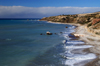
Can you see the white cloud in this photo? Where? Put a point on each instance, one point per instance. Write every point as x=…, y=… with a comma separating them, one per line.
x=35, y=12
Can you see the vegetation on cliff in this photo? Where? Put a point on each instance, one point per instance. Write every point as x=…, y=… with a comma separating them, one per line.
x=92, y=20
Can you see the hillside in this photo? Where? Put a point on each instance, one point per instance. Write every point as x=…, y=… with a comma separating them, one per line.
x=91, y=20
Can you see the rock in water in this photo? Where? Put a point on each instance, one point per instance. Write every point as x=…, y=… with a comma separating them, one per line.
x=48, y=33
x=41, y=34
x=66, y=27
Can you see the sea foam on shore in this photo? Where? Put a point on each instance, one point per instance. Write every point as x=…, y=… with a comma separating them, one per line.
x=90, y=39
x=77, y=59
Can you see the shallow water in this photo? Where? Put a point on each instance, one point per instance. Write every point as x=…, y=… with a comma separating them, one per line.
x=22, y=45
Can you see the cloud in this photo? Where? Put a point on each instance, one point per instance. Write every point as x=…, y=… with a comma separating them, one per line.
x=39, y=12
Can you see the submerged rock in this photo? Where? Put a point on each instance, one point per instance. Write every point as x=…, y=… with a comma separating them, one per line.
x=61, y=32
x=55, y=33
x=66, y=27
x=41, y=34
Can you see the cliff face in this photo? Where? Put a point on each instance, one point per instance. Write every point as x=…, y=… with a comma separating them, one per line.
x=92, y=20
x=61, y=18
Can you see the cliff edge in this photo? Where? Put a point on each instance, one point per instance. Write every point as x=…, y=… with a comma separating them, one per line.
x=91, y=20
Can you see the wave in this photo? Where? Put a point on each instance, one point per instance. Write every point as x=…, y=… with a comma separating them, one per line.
x=73, y=42
x=78, y=47
x=79, y=58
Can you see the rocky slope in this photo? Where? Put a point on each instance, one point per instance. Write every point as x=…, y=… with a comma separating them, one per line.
x=91, y=20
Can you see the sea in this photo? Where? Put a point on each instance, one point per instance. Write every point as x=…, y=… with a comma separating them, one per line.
x=24, y=42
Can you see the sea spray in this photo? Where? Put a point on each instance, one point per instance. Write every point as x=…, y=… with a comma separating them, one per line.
x=75, y=58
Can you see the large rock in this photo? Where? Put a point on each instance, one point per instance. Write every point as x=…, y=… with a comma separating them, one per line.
x=48, y=33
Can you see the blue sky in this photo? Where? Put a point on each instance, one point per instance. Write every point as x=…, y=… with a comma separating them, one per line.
x=51, y=3
x=45, y=8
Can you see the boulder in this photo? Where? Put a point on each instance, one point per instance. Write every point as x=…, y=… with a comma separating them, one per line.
x=48, y=33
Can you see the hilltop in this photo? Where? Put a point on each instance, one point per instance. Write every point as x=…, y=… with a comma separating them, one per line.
x=91, y=20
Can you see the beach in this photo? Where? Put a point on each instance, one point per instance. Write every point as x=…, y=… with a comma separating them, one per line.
x=90, y=39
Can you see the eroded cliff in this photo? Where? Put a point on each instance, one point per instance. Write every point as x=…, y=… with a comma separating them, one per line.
x=91, y=20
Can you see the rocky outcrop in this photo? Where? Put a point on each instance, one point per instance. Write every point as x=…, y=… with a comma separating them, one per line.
x=94, y=26
x=92, y=20
x=61, y=18
x=48, y=33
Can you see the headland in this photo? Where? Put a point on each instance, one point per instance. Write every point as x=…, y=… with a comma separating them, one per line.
x=88, y=25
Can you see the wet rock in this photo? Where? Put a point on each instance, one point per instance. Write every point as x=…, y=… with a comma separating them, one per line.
x=66, y=27
x=61, y=32
x=77, y=36
x=55, y=33
x=48, y=33
x=73, y=35
x=41, y=34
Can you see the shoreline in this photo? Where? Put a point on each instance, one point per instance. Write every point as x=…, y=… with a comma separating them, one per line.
x=90, y=39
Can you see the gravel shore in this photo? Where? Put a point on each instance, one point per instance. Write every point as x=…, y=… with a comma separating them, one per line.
x=90, y=39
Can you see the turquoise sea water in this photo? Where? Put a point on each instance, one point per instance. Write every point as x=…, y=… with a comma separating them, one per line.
x=22, y=45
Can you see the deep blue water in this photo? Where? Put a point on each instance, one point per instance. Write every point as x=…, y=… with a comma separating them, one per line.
x=22, y=45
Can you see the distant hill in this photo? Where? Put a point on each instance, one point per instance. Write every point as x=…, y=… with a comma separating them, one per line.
x=91, y=20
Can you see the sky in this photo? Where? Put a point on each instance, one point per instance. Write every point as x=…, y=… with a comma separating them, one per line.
x=46, y=8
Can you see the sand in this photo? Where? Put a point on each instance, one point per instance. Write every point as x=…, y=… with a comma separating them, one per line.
x=90, y=39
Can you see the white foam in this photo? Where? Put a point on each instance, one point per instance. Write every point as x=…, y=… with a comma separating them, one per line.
x=71, y=30
x=79, y=58
x=73, y=42
x=78, y=47
x=72, y=27
x=66, y=36
x=63, y=41
x=68, y=53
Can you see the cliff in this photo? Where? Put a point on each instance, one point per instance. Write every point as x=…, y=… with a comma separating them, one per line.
x=91, y=20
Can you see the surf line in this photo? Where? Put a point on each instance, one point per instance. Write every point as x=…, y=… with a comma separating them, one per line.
x=73, y=55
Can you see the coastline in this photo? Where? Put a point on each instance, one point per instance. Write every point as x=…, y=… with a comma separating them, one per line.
x=90, y=39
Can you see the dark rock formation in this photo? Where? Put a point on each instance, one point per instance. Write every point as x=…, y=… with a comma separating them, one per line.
x=48, y=33
x=61, y=32
x=66, y=27
x=41, y=34
x=55, y=33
